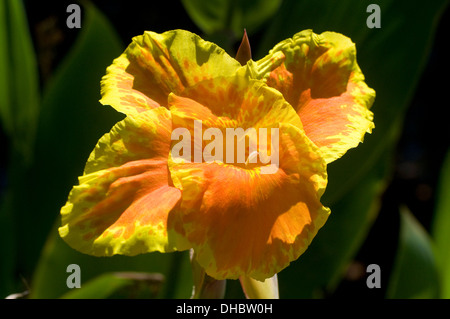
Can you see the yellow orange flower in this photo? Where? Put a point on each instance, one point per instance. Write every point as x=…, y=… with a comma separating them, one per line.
x=139, y=194
x=319, y=76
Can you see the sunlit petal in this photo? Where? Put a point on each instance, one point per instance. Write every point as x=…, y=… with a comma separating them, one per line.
x=242, y=222
x=154, y=65
x=320, y=78
x=124, y=202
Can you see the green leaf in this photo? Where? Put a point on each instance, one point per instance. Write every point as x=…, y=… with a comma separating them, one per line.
x=441, y=225
x=230, y=15
x=19, y=79
x=19, y=107
x=51, y=274
x=415, y=273
x=119, y=285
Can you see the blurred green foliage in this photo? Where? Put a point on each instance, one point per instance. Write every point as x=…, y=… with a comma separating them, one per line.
x=441, y=225
x=52, y=130
x=415, y=273
x=19, y=79
x=19, y=109
x=223, y=20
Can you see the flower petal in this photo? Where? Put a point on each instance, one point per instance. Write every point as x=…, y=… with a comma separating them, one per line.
x=124, y=201
x=236, y=101
x=155, y=65
x=241, y=222
x=245, y=108
x=320, y=78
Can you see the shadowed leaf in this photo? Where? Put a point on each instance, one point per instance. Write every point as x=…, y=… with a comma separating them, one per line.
x=415, y=273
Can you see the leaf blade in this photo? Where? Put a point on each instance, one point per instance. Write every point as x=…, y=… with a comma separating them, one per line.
x=415, y=274
x=441, y=225
x=218, y=16
x=19, y=80
x=118, y=284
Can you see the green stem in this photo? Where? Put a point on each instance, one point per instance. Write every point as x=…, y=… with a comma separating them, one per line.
x=173, y=275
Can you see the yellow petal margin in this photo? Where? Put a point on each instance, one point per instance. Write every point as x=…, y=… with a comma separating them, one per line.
x=155, y=65
x=124, y=203
x=319, y=76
